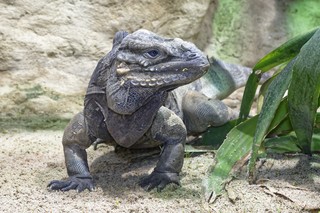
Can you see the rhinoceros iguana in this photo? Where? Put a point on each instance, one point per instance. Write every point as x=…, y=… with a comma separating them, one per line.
x=136, y=99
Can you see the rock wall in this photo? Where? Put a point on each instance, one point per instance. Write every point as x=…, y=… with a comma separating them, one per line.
x=48, y=49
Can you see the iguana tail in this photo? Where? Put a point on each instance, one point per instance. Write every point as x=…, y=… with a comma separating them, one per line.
x=223, y=78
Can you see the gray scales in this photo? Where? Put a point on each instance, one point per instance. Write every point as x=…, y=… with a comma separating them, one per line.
x=148, y=91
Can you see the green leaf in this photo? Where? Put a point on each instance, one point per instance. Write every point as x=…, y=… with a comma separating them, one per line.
x=289, y=143
x=248, y=96
x=214, y=136
x=283, y=53
x=283, y=128
x=304, y=91
x=270, y=106
x=263, y=91
x=196, y=149
x=265, y=85
x=283, y=144
x=280, y=55
x=315, y=146
x=236, y=145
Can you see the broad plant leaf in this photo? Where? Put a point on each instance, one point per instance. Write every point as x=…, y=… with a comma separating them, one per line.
x=315, y=146
x=248, y=96
x=263, y=90
x=284, y=53
x=236, y=145
x=211, y=140
x=283, y=144
x=283, y=128
x=265, y=85
x=273, y=97
x=289, y=143
x=280, y=55
x=215, y=136
x=303, y=94
x=249, y=134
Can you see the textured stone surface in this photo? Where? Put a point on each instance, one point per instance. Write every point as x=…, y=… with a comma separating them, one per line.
x=52, y=47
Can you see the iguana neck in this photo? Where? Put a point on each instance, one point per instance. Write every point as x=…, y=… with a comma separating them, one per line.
x=124, y=98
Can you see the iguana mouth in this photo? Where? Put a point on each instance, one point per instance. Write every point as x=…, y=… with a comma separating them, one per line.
x=122, y=69
x=160, y=75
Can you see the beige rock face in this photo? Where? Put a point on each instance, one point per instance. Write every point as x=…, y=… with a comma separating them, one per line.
x=48, y=49
x=52, y=47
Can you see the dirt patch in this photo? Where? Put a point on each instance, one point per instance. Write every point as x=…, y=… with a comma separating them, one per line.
x=30, y=159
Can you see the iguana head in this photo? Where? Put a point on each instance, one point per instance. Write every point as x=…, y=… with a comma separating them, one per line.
x=147, y=60
x=142, y=65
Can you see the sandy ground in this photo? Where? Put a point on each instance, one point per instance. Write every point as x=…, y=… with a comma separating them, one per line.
x=30, y=159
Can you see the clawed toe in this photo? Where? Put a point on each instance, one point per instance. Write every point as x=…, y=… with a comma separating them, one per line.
x=159, y=180
x=72, y=183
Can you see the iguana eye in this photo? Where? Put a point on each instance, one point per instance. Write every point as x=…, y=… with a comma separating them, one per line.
x=152, y=54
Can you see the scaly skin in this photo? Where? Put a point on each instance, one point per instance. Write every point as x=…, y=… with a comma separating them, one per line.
x=141, y=95
x=124, y=104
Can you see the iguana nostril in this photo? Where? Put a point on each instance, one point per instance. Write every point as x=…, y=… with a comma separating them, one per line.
x=192, y=55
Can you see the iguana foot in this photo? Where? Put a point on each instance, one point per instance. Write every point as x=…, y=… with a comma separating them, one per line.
x=74, y=182
x=159, y=180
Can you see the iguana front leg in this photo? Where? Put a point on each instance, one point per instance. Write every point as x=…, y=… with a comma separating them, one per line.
x=75, y=141
x=168, y=129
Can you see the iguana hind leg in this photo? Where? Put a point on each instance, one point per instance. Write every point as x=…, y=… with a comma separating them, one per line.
x=75, y=141
x=168, y=129
x=200, y=112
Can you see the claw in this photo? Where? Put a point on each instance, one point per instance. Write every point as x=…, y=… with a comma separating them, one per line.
x=76, y=183
x=159, y=180
x=72, y=185
x=97, y=142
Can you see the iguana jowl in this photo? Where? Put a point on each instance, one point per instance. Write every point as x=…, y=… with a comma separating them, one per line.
x=132, y=100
